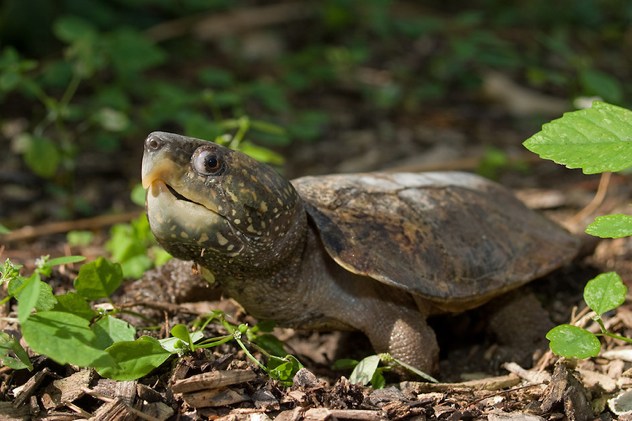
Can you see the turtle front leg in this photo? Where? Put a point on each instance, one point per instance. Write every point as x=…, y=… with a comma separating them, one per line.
x=404, y=334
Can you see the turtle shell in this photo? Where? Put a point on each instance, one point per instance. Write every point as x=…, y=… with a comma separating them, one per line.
x=451, y=237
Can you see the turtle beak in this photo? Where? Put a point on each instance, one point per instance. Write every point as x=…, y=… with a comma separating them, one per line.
x=157, y=165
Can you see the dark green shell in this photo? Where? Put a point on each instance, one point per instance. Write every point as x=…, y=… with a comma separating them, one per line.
x=449, y=237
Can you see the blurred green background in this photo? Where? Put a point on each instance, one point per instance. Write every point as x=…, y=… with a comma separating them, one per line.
x=83, y=82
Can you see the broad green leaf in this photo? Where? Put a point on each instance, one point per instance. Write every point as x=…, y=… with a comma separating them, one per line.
x=71, y=302
x=605, y=292
x=42, y=156
x=364, y=371
x=9, y=345
x=65, y=338
x=135, y=358
x=98, y=279
x=4, y=230
x=611, y=226
x=110, y=330
x=598, y=139
x=573, y=342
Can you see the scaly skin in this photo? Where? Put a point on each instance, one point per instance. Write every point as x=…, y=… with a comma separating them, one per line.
x=291, y=259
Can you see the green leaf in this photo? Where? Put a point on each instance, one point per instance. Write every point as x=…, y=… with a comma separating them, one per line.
x=98, y=279
x=65, y=260
x=573, y=342
x=611, y=226
x=271, y=343
x=65, y=338
x=378, y=381
x=344, y=364
x=597, y=139
x=602, y=84
x=605, y=292
x=79, y=238
x=283, y=369
x=181, y=332
x=71, y=28
x=135, y=266
x=111, y=120
x=173, y=345
x=135, y=359
x=27, y=296
x=110, y=330
x=132, y=53
x=364, y=371
x=260, y=153
x=138, y=195
x=4, y=230
x=71, y=302
x=8, y=346
x=42, y=156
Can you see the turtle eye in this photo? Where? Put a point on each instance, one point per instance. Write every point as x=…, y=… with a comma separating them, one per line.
x=207, y=162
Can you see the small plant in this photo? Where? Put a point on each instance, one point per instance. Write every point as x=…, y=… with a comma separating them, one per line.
x=368, y=370
x=71, y=329
x=596, y=140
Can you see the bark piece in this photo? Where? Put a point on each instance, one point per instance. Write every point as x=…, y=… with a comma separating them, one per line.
x=214, y=398
x=213, y=380
x=566, y=390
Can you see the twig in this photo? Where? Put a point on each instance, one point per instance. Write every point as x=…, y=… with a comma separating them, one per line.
x=30, y=232
x=597, y=200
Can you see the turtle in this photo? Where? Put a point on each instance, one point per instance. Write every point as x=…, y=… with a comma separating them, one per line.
x=377, y=252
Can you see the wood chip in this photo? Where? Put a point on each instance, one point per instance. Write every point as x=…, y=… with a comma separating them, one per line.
x=114, y=410
x=72, y=387
x=490, y=383
x=214, y=398
x=158, y=410
x=213, y=380
x=565, y=389
x=10, y=413
x=264, y=399
x=514, y=416
x=624, y=354
x=27, y=389
x=592, y=379
x=531, y=376
x=319, y=414
x=147, y=393
x=126, y=392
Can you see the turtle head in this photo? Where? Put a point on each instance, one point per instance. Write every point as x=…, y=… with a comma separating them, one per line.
x=218, y=207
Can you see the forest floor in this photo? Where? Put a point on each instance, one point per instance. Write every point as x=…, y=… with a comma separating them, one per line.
x=477, y=379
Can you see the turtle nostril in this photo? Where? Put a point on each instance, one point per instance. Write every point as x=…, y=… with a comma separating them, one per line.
x=153, y=143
